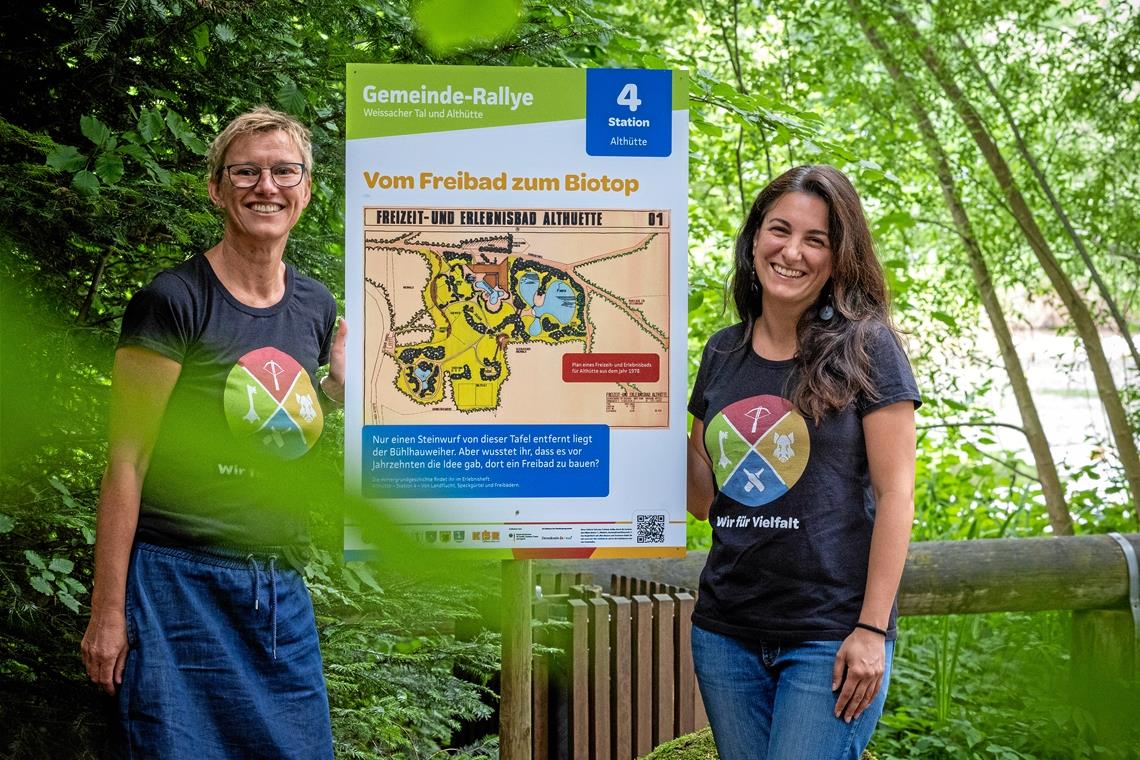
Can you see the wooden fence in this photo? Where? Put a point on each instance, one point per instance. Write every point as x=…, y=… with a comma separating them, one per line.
x=624, y=680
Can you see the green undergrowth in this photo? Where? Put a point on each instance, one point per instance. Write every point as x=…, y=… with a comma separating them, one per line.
x=699, y=746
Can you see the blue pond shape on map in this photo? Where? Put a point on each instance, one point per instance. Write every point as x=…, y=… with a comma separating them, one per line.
x=559, y=302
x=494, y=295
x=422, y=375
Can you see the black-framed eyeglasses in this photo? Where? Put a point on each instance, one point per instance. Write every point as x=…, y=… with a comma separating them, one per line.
x=248, y=175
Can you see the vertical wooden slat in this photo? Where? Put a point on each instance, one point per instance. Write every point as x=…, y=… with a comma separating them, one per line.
x=599, y=678
x=641, y=703
x=560, y=683
x=663, y=675
x=579, y=687
x=540, y=690
x=685, y=698
x=621, y=679
x=549, y=583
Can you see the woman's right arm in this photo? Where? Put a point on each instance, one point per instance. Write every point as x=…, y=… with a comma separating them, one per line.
x=699, y=473
x=141, y=384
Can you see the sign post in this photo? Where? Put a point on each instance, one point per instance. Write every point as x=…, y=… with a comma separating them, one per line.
x=515, y=724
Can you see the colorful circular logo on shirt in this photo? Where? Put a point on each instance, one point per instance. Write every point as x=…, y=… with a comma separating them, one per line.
x=270, y=398
x=759, y=448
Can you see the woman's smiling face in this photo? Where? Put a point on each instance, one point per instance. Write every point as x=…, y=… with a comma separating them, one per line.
x=792, y=252
x=264, y=212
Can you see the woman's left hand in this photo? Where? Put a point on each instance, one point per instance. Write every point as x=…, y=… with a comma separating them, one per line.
x=859, y=667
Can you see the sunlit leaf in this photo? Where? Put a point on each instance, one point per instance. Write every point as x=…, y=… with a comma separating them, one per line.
x=68, y=600
x=350, y=579
x=224, y=33
x=365, y=575
x=39, y=584
x=944, y=318
x=706, y=128
x=291, y=99
x=109, y=167
x=94, y=130
x=446, y=25
x=201, y=36
x=6, y=524
x=61, y=565
x=150, y=124
x=85, y=183
x=35, y=560
x=136, y=152
x=66, y=158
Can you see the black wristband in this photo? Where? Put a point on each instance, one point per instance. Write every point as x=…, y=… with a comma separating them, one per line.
x=871, y=628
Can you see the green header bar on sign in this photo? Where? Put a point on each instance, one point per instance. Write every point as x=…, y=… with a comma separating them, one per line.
x=388, y=100
x=407, y=99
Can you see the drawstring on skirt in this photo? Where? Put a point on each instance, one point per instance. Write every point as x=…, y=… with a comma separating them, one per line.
x=256, y=579
x=272, y=591
x=273, y=599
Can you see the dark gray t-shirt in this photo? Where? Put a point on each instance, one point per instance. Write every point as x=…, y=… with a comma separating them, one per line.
x=246, y=397
x=793, y=510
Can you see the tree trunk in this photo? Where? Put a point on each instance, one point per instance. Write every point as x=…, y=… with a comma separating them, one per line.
x=1051, y=487
x=1082, y=319
x=1058, y=209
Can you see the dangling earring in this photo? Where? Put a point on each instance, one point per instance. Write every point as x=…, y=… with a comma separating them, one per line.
x=828, y=311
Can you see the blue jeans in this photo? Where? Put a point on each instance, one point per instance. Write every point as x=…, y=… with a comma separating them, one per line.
x=774, y=702
x=223, y=660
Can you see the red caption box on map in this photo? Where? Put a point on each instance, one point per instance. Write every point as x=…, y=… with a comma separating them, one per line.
x=611, y=368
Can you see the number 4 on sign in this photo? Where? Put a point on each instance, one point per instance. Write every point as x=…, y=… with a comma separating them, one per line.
x=628, y=97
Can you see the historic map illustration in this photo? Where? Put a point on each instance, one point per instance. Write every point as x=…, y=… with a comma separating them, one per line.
x=498, y=315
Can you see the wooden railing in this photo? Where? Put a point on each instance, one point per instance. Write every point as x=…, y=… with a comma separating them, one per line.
x=626, y=684
x=624, y=680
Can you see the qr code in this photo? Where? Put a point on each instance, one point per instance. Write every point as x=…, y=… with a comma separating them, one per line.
x=650, y=529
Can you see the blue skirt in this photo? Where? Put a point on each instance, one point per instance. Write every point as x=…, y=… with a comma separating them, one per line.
x=223, y=661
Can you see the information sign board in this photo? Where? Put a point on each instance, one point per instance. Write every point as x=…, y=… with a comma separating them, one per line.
x=516, y=295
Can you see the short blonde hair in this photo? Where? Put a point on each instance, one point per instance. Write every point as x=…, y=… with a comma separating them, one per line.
x=260, y=119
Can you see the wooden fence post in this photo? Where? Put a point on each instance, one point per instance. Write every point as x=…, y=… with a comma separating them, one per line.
x=685, y=699
x=663, y=677
x=579, y=707
x=621, y=682
x=599, y=678
x=540, y=690
x=515, y=702
x=641, y=623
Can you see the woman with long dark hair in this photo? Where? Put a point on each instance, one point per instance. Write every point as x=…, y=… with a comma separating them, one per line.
x=802, y=457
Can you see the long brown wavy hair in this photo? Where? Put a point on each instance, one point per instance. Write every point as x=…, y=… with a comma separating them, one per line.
x=831, y=356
